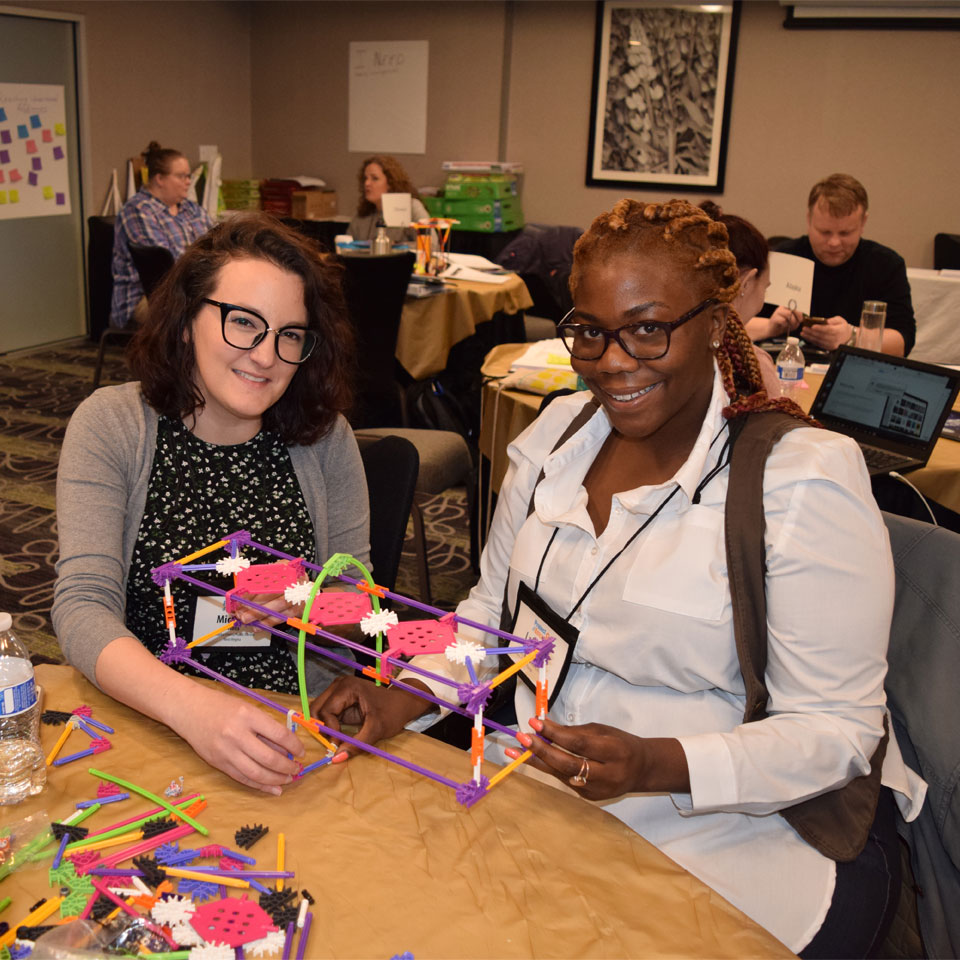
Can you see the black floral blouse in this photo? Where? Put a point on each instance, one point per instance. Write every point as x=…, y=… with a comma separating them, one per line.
x=198, y=492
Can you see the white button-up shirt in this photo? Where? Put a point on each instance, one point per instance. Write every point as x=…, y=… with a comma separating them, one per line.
x=656, y=654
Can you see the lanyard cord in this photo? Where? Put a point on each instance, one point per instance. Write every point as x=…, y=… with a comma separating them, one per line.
x=721, y=463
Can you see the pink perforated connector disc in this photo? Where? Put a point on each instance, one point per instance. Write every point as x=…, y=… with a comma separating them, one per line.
x=232, y=921
x=413, y=637
x=330, y=608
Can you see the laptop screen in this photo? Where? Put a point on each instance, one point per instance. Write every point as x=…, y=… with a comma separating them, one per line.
x=886, y=397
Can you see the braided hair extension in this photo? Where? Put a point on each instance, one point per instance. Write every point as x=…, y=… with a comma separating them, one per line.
x=688, y=237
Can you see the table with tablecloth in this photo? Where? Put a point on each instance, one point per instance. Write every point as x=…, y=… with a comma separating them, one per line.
x=396, y=864
x=507, y=412
x=430, y=326
x=936, y=305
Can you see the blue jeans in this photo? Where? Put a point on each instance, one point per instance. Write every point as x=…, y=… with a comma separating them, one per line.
x=866, y=894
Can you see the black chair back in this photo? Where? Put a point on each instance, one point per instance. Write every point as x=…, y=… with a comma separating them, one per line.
x=375, y=288
x=99, y=272
x=391, y=465
x=152, y=264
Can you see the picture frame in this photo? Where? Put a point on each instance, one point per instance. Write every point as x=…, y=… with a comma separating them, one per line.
x=662, y=92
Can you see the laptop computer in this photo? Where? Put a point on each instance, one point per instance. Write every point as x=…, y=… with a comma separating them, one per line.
x=893, y=407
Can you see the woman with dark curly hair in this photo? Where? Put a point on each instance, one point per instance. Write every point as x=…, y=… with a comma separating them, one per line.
x=378, y=175
x=235, y=422
x=760, y=774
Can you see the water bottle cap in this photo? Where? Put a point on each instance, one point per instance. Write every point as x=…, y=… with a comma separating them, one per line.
x=793, y=340
x=6, y=622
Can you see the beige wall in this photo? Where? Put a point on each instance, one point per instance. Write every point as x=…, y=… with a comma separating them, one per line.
x=178, y=73
x=301, y=94
x=881, y=105
x=267, y=82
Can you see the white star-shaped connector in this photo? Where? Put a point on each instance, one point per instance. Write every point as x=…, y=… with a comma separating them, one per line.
x=173, y=910
x=185, y=935
x=298, y=592
x=231, y=565
x=266, y=946
x=459, y=650
x=213, y=951
x=374, y=623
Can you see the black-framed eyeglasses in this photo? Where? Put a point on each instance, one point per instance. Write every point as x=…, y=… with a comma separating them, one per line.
x=643, y=340
x=244, y=328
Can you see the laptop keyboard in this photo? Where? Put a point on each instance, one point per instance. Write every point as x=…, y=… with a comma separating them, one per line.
x=878, y=459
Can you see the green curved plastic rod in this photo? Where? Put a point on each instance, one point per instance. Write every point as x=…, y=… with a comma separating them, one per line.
x=333, y=567
x=199, y=827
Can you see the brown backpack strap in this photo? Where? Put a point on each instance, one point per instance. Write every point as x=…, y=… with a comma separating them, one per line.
x=837, y=822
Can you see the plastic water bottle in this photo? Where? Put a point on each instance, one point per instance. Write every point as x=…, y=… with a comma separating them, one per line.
x=790, y=364
x=23, y=770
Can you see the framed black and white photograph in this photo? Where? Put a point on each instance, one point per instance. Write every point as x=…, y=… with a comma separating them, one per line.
x=662, y=88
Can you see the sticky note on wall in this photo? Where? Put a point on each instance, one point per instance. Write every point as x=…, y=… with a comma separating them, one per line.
x=36, y=163
x=59, y=130
x=32, y=179
x=5, y=136
x=4, y=156
x=31, y=146
x=48, y=193
x=14, y=196
x=3, y=115
x=35, y=120
x=15, y=175
x=61, y=199
x=58, y=153
x=47, y=136
x=22, y=132
x=3, y=196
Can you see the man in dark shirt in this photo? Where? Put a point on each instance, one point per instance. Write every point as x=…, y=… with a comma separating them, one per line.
x=848, y=269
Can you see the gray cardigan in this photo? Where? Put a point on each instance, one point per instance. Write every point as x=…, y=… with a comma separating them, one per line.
x=102, y=485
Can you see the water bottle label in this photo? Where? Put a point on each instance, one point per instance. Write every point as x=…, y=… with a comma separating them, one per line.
x=17, y=698
x=789, y=373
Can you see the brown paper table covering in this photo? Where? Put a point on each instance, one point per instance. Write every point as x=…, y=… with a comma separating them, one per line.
x=506, y=415
x=396, y=864
x=430, y=326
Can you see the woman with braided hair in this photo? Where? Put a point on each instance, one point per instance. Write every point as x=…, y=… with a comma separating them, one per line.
x=610, y=535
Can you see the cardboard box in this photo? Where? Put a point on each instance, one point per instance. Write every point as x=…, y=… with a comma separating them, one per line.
x=490, y=224
x=313, y=204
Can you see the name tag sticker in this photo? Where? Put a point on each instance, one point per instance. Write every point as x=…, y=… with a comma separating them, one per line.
x=211, y=614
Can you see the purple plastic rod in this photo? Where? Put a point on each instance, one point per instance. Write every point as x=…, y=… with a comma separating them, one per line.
x=259, y=887
x=369, y=748
x=288, y=942
x=242, y=857
x=304, y=933
x=313, y=766
x=96, y=723
x=199, y=566
x=64, y=840
x=113, y=798
x=239, y=687
x=213, y=871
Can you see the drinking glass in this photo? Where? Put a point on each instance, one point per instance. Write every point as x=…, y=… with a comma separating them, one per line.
x=872, y=319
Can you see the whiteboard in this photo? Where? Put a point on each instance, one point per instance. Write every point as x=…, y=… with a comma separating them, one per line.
x=388, y=96
x=34, y=169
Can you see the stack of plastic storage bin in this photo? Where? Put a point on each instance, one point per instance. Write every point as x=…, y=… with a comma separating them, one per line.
x=483, y=202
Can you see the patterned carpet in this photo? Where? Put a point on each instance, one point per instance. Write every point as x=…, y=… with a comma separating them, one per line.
x=38, y=392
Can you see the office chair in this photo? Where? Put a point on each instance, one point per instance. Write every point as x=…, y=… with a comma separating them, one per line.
x=375, y=288
x=152, y=264
x=444, y=461
x=391, y=465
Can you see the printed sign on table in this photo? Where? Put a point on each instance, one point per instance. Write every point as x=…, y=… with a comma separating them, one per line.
x=34, y=170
